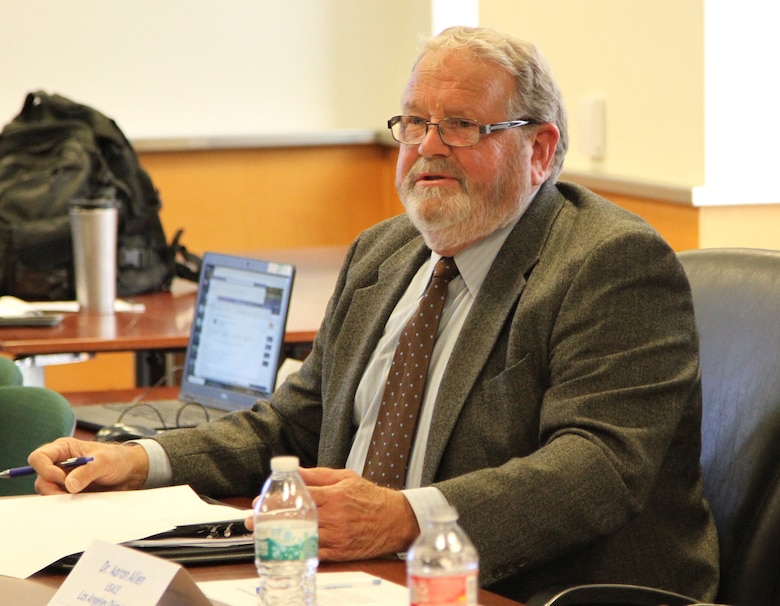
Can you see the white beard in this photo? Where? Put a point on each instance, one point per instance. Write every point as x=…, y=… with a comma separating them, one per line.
x=442, y=218
x=451, y=220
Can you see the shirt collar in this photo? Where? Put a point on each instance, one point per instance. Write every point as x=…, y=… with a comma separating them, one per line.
x=475, y=261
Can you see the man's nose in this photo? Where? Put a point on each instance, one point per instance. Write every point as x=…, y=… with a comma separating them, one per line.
x=433, y=144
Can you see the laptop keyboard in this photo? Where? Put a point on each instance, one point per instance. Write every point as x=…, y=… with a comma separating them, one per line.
x=163, y=413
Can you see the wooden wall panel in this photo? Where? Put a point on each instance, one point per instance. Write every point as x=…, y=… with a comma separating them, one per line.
x=244, y=199
x=677, y=223
x=104, y=371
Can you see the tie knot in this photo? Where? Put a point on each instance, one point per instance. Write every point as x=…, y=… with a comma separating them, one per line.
x=445, y=269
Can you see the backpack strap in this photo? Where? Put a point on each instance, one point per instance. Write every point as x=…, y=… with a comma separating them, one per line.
x=188, y=264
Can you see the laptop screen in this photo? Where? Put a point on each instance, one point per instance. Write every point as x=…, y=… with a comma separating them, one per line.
x=237, y=332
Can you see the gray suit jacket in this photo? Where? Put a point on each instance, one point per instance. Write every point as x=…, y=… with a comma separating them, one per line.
x=567, y=426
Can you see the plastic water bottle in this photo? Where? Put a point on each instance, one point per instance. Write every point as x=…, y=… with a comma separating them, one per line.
x=286, y=538
x=442, y=565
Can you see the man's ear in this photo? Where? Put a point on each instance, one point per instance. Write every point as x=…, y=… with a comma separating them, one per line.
x=544, y=141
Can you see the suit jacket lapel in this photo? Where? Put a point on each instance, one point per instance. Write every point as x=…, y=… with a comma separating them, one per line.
x=363, y=325
x=496, y=300
x=371, y=306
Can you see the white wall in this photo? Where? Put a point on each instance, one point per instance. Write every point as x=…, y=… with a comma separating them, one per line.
x=447, y=13
x=742, y=103
x=189, y=68
x=645, y=57
x=689, y=91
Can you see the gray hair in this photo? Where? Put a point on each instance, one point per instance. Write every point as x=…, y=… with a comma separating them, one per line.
x=537, y=97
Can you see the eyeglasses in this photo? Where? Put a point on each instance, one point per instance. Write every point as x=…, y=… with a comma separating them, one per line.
x=455, y=132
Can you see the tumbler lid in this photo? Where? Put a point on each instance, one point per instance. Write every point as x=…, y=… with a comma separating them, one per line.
x=92, y=203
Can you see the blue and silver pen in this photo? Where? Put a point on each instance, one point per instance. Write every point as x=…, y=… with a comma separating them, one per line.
x=349, y=583
x=18, y=472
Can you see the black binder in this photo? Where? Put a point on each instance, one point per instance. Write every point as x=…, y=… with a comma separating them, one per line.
x=190, y=545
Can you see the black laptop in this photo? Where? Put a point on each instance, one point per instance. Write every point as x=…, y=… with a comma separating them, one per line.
x=234, y=350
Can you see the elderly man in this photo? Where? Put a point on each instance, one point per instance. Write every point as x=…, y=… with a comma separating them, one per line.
x=559, y=407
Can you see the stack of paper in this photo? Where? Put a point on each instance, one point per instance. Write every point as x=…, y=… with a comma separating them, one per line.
x=48, y=528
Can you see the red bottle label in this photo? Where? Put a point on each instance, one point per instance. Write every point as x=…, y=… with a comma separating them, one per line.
x=458, y=590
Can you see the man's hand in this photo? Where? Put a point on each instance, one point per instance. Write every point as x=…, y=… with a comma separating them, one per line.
x=357, y=519
x=115, y=466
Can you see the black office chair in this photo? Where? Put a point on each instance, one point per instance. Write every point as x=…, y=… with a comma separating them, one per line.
x=615, y=595
x=736, y=295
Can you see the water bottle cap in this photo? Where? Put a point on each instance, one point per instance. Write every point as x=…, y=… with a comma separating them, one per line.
x=284, y=464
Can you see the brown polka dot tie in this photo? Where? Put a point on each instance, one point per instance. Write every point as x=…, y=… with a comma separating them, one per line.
x=391, y=442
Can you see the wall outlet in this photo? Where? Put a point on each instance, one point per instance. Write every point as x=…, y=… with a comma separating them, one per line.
x=593, y=126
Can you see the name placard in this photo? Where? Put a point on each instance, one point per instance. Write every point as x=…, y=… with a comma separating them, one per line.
x=113, y=575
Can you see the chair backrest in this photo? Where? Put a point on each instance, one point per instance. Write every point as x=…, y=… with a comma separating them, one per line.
x=29, y=417
x=736, y=295
x=611, y=595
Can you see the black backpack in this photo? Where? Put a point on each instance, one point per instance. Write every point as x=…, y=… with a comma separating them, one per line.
x=57, y=150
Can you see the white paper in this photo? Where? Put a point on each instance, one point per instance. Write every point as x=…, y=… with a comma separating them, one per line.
x=12, y=307
x=44, y=529
x=288, y=366
x=204, y=542
x=346, y=589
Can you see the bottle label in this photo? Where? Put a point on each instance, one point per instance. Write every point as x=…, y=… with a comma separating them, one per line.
x=455, y=590
x=286, y=540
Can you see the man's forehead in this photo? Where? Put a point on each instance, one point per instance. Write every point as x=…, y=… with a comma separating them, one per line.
x=457, y=82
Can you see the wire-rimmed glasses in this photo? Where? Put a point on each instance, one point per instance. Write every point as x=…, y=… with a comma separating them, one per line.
x=455, y=132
